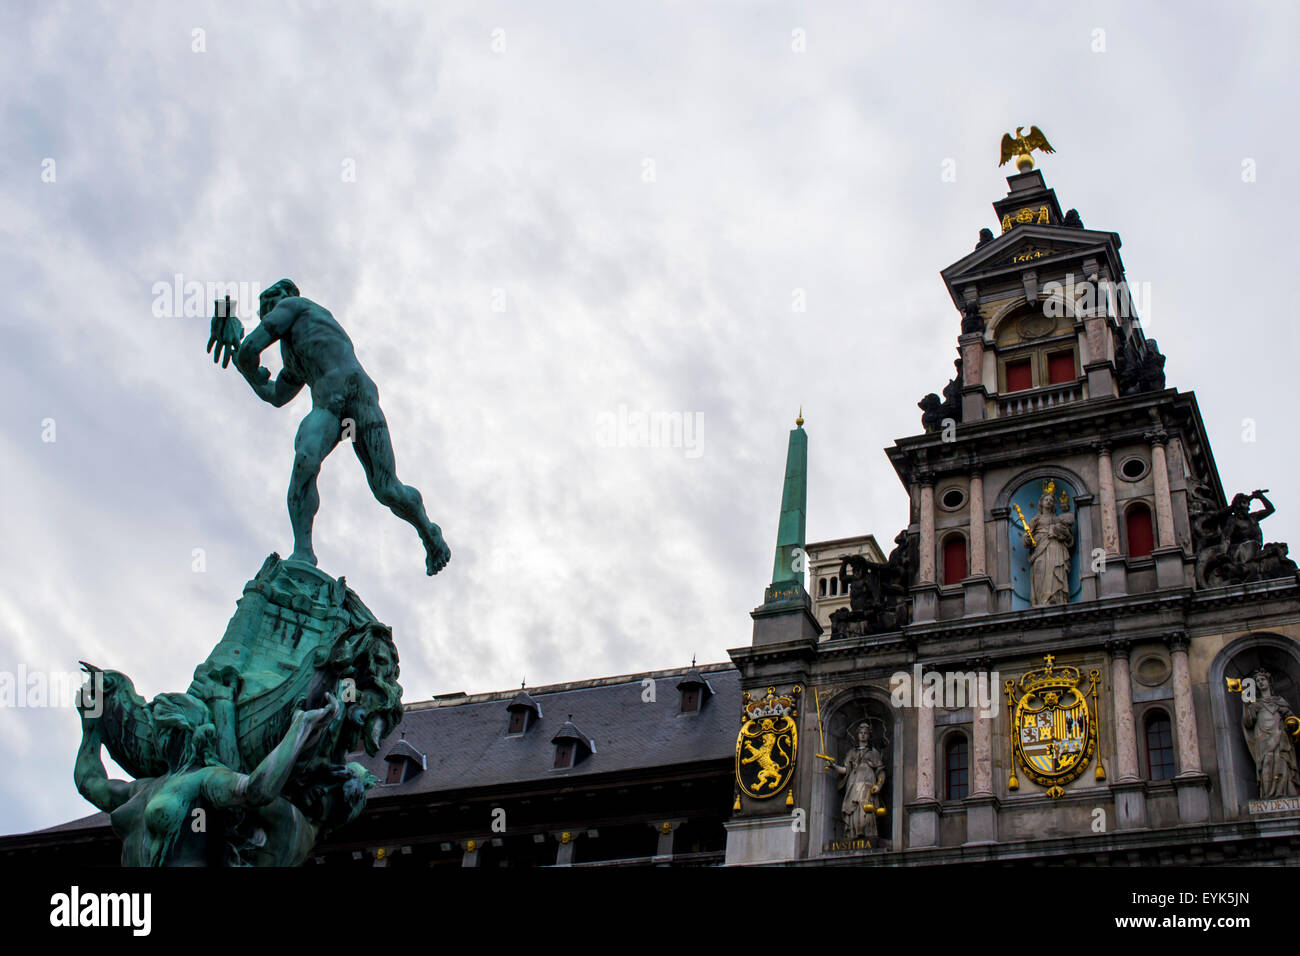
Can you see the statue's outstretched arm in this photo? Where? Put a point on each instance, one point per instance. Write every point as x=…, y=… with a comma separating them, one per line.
x=1267, y=510
x=265, y=783
x=93, y=781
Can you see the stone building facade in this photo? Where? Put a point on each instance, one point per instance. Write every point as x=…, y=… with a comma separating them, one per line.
x=1080, y=648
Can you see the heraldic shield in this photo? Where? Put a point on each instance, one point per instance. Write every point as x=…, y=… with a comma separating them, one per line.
x=767, y=744
x=1053, y=730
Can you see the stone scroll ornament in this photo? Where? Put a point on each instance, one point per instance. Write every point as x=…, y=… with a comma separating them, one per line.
x=248, y=767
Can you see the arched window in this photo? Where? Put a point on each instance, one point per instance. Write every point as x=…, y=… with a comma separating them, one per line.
x=956, y=767
x=1141, y=536
x=821, y=587
x=954, y=559
x=835, y=585
x=1160, y=745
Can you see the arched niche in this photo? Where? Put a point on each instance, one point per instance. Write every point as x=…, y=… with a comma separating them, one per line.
x=840, y=716
x=1001, y=322
x=1014, y=556
x=1280, y=656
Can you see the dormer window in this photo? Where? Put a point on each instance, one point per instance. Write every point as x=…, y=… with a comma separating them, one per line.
x=572, y=746
x=404, y=762
x=695, y=690
x=524, y=712
x=564, y=755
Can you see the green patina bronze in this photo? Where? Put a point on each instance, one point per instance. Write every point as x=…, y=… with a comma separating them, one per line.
x=248, y=766
x=788, y=565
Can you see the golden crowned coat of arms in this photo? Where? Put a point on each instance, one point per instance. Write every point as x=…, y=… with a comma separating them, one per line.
x=767, y=743
x=1054, y=733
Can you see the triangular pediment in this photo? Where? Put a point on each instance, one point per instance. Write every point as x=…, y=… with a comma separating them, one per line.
x=1027, y=246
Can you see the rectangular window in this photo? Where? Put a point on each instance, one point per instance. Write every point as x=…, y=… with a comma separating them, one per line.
x=690, y=700
x=564, y=754
x=954, y=559
x=1019, y=376
x=1060, y=368
x=518, y=720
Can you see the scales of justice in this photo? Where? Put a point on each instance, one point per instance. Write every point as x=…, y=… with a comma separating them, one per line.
x=248, y=766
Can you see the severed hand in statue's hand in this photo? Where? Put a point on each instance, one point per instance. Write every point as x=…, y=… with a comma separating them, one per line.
x=226, y=334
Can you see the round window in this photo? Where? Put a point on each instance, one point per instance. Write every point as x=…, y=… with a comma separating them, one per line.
x=1131, y=469
x=952, y=499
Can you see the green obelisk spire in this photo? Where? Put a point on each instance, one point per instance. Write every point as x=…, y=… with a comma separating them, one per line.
x=786, y=611
x=790, y=534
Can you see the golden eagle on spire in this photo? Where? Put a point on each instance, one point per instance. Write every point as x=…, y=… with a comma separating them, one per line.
x=1022, y=147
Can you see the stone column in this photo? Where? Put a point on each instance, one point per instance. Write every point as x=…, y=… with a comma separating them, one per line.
x=1128, y=789
x=1106, y=488
x=923, y=813
x=1192, y=785
x=924, y=751
x=926, y=544
x=982, y=803
x=1122, y=694
x=976, y=508
x=982, y=752
x=1113, y=578
x=1189, y=751
x=1164, y=502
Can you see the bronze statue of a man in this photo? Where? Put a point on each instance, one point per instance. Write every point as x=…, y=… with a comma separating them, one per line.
x=318, y=353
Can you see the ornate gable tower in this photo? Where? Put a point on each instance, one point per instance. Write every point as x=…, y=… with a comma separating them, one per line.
x=1080, y=648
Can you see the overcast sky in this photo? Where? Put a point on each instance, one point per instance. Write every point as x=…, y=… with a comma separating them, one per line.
x=529, y=216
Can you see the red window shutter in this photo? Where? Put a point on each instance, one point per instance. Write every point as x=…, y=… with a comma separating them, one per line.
x=954, y=559
x=1141, y=537
x=1060, y=368
x=1019, y=376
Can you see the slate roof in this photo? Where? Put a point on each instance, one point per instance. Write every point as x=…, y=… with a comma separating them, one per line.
x=464, y=738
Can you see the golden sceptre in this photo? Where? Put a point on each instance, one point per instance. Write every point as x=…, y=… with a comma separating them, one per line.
x=821, y=736
x=1025, y=524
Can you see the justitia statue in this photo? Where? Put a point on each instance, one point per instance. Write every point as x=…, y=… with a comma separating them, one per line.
x=861, y=776
x=1269, y=726
x=344, y=404
x=1050, y=535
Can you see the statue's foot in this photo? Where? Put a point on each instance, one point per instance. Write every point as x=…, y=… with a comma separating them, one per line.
x=436, y=552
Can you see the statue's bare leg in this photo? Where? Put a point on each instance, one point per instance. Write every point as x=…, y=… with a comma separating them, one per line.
x=317, y=436
x=374, y=449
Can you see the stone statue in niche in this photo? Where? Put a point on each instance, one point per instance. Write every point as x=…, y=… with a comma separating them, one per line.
x=877, y=592
x=1229, y=544
x=1049, y=536
x=861, y=777
x=1269, y=725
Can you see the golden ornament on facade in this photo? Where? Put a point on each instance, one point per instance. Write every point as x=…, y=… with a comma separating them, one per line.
x=1054, y=733
x=767, y=743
